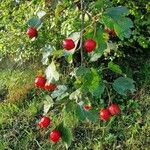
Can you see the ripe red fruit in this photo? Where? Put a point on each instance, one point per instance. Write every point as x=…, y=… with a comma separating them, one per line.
x=104, y=114
x=32, y=32
x=40, y=81
x=68, y=44
x=50, y=86
x=54, y=136
x=89, y=45
x=87, y=107
x=114, y=109
x=44, y=122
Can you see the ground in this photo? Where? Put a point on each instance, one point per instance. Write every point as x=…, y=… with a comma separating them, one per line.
x=22, y=104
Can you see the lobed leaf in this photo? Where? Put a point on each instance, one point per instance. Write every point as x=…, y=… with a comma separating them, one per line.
x=122, y=85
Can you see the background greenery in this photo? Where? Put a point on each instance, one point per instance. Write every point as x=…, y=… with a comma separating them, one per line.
x=22, y=104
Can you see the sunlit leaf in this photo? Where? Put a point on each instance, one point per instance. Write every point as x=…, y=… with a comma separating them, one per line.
x=61, y=89
x=41, y=13
x=48, y=103
x=76, y=95
x=51, y=73
x=114, y=67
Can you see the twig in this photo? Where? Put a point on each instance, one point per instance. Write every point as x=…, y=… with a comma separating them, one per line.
x=82, y=30
x=109, y=97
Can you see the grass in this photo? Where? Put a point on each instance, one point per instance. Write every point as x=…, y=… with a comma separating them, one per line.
x=22, y=106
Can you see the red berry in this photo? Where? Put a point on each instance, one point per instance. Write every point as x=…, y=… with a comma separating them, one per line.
x=68, y=44
x=32, y=32
x=40, y=81
x=87, y=107
x=104, y=114
x=114, y=109
x=44, y=122
x=54, y=136
x=89, y=45
x=50, y=86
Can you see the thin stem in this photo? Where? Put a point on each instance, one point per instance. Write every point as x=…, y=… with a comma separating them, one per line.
x=109, y=97
x=82, y=30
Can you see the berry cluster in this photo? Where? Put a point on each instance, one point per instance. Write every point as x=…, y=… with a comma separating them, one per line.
x=41, y=82
x=106, y=113
x=89, y=45
x=54, y=135
x=68, y=44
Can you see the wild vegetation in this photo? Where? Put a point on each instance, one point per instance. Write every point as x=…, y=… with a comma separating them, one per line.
x=74, y=75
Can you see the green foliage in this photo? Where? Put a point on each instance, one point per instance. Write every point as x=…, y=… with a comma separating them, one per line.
x=14, y=43
x=79, y=76
x=115, y=18
x=82, y=114
x=114, y=67
x=34, y=22
x=66, y=134
x=122, y=85
x=124, y=130
x=17, y=80
x=139, y=10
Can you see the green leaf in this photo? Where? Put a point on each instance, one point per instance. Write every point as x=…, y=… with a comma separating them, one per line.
x=41, y=14
x=70, y=106
x=115, y=18
x=89, y=78
x=122, y=28
x=34, y=22
x=61, y=89
x=48, y=103
x=62, y=96
x=69, y=58
x=48, y=50
x=100, y=40
x=76, y=95
x=107, y=21
x=95, y=80
x=59, y=8
x=117, y=12
x=122, y=85
x=80, y=113
x=99, y=90
x=82, y=71
x=92, y=115
x=114, y=67
x=95, y=56
x=51, y=73
x=66, y=134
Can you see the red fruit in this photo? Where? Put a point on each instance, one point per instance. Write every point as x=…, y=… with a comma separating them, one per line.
x=114, y=109
x=89, y=45
x=44, y=122
x=87, y=107
x=32, y=32
x=40, y=81
x=68, y=44
x=54, y=136
x=104, y=114
x=50, y=86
